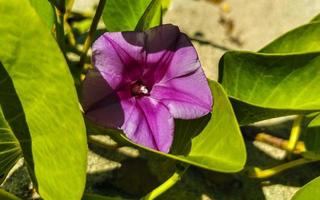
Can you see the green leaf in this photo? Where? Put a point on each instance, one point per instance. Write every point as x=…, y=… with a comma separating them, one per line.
x=151, y=16
x=263, y=86
x=266, y=80
x=10, y=150
x=309, y=191
x=39, y=102
x=7, y=196
x=212, y=142
x=125, y=15
x=299, y=40
x=45, y=11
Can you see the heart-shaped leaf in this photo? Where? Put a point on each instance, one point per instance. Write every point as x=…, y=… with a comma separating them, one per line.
x=39, y=102
x=125, y=15
x=263, y=86
x=212, y=142
x=10, y=150
x=309, y=191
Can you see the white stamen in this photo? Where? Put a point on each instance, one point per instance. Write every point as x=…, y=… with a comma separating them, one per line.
x=144, y=89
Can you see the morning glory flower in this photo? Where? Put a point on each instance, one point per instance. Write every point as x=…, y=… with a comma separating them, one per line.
x=142, y=81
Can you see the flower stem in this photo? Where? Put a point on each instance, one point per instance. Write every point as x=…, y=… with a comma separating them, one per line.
x=259, y=173
x=294, y=135
x=176, y=177
x=91, y=32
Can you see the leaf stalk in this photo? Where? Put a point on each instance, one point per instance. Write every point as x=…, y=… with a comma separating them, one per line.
x=91, y=32
x=259, y=173
x=176, y=177
x=294, y=135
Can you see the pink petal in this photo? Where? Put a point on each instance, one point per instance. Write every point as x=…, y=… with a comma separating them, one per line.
x=150, y=124
x=119, y=61
x=187, y=97
x=170, y=56
x=100, y=103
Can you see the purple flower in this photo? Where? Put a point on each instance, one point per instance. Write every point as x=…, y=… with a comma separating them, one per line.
x=142, y=81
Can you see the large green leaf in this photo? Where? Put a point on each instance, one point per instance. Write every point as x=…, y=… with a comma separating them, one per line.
x=299, y=40
x=212, y=142
x=263, y=86
x=10, y=150
x=39, y=102
x=309, y=191
x=45, y=11
x=269, y=83
x=7, y=196
x=124, y=15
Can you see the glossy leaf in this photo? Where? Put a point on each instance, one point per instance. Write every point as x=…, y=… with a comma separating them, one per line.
x=263, y=86
x=256, y=90
x=45, y=11
x=309, y=191
x=212, y=142
x=40, y=104
x=299, y=40
x=7, y=196
x=124, y=15
x=10, y=150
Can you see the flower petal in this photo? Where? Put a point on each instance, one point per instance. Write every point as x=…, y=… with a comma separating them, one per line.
x=187, y=97
x=150, y=124
x=100, y=103
x=175, y=57
x=119, y=61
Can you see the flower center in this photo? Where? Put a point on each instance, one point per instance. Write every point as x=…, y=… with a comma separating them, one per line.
x=139, y=89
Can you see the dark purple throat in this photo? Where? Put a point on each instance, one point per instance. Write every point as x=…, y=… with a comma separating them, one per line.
x=139, y=89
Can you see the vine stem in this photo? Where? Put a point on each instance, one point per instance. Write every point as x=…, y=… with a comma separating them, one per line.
x=259, y=173
x=176, y=177
x=279, y=142
x=91, y=32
